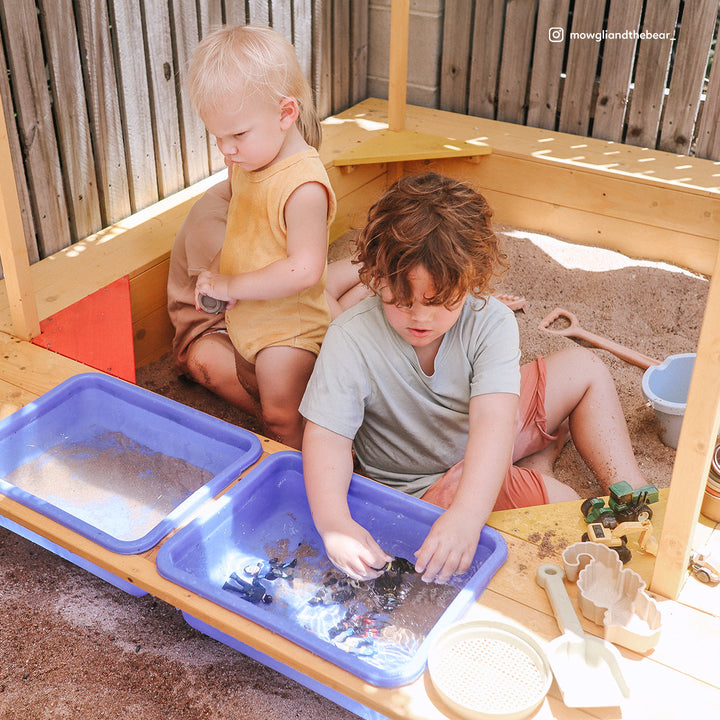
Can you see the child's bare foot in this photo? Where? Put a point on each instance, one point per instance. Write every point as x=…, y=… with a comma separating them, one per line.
x=514, y=302
x=544, y=460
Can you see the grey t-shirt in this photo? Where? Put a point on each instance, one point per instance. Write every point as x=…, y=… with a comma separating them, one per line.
x=409, y=428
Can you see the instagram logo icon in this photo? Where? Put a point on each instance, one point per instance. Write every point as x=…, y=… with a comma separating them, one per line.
x=556, y=34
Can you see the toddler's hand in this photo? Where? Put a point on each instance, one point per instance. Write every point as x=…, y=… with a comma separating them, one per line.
x=354, y=551
x=448, y=548
x=214, y=285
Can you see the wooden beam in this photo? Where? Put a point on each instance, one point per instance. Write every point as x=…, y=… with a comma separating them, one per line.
x=695, y=446
x=13, y=251
x=397, y=85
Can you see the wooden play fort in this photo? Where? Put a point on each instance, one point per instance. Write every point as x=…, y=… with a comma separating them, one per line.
x=643, y=202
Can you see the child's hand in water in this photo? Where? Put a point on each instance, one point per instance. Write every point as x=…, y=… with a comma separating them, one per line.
x=354, y=551
x=449, y=547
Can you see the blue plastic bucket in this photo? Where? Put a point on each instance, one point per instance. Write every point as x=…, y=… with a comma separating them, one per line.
x=666, y=387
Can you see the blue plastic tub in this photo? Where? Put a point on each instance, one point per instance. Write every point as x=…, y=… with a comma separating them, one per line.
x=116, y=463
x=266, y=519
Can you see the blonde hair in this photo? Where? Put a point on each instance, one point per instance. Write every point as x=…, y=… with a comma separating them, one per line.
x=246, y=60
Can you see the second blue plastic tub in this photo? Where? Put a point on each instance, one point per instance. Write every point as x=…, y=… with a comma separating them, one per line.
x=265, y=518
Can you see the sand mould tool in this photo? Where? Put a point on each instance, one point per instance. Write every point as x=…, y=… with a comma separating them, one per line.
x=575, y=330
x=613, y=596
x=586, y=668
x=209, y=304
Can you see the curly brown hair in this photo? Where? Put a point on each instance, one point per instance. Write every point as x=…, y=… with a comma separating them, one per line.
x=437, y=222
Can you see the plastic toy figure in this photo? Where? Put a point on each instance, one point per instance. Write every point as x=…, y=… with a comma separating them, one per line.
x=357, y=624
x=281, y=570
x=276, y=569
x=388, y=588
x=338, y=588
x=323, y=596
x=253, y=592
x=355, y=645
x=255, y=569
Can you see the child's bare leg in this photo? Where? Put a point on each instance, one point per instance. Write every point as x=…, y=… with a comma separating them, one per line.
x=558, y=491
x=211, y=363
x=543, y=462
x=579, y=387
x=354, y=295
x=343, y=288
x=245, y=373
x=341, y=276
x=443, y=491
x=282, y=374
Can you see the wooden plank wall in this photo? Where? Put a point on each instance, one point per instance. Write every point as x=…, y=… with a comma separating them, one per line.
x=99, y=126
x=626, y=86
x=98, y=123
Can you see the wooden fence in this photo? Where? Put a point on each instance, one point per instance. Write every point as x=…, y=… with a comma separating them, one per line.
x=98, y=123
x=99, y=126
x=637, y=71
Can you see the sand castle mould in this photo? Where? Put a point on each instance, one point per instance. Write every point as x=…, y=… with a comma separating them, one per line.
x=613, y=596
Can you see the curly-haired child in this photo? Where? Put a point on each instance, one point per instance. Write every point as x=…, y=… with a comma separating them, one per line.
x=422, y=383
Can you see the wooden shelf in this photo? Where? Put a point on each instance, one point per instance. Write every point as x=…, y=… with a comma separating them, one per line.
x=406, y=145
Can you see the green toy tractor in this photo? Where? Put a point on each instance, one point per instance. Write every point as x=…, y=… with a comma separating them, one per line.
x=625, y=504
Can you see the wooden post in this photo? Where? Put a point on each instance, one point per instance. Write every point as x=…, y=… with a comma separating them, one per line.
x=13, y=251
x=397, y=86
x=695, y=446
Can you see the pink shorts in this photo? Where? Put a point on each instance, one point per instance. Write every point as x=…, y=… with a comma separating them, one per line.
x=522, y=487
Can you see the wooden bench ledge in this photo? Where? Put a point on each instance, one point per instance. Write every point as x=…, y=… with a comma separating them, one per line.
x=126, y=248
x=641, y=202
x=508, y=139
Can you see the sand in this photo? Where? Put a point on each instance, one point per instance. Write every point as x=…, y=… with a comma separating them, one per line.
x=72, y=646
x=110, y=481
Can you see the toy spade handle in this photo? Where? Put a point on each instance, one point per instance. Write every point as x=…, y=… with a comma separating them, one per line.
x=624, y=353
x=569, y=331
x=550, y=578
x=575, y=330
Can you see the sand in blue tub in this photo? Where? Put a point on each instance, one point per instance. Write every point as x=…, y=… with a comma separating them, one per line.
x=116, y=463
x=110, y=481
